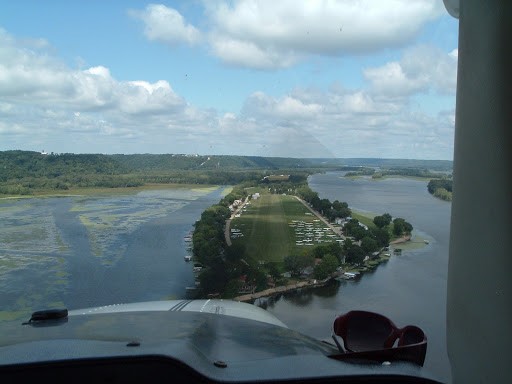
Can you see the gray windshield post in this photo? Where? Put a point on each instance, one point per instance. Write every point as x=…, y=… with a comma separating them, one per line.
x=479, y=299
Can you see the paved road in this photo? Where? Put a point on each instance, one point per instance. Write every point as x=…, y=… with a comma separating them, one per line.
x=227, y=228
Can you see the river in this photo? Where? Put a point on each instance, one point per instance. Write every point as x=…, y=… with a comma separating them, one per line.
x=409, y=289
x=83, y=251
x=95, y=250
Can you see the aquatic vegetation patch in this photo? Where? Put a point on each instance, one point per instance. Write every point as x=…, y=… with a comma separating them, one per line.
x=416, y=242
x=226, y=191
x=28, y=282
x=30, y=228
x=201, y=191
x=14, y=315
x=110, y=221
x=40, y=238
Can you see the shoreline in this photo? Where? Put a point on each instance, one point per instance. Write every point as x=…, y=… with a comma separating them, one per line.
x=87, y=191
x=269, y=292
x=401, y=240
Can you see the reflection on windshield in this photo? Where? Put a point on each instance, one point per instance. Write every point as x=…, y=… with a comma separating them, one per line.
x=229, y=150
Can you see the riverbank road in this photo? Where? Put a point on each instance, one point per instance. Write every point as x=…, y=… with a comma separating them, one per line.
x=227, y=228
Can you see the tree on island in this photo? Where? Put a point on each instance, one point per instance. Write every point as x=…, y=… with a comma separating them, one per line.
x=369, y=244
x=235, y=252
x=338, y=209
x=321, y=250
x=401, y=227
x=381, y=236
x=354, y=254
x=325, y=206
x=327, y=266
x=382, y=221
x=273, y=270
x=352, y=228
x=297, y=263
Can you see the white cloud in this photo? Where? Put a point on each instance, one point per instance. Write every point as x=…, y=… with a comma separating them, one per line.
x=391, y=79
x=420, y=69
x=45, y=104
x=25, y=71
x=270, y=35
x=260, y=34
x=144, y=97
x=44, y=100
x=263, y=106
x=166, y=25
x=346, y=123
x=249, y=54
x=29, y=77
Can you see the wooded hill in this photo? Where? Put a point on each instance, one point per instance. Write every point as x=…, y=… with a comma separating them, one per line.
x=24, y=172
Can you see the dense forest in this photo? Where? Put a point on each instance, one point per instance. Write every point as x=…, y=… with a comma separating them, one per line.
x=24, y=172
x=28, y=172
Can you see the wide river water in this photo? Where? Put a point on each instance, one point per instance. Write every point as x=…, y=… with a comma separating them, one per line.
x=95, y=250
x=83, y=251
x=409, y=289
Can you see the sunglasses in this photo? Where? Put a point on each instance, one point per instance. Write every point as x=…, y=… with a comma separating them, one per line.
x=371, y=336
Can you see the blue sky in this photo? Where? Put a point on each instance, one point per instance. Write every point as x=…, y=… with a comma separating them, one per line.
x=287, y=78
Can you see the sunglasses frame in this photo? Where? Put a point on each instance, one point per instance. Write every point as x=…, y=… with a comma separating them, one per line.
x=404, y=351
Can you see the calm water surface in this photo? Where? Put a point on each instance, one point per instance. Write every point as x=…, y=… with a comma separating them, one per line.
x=410, y=289
x=82, y=252
x=79, y=252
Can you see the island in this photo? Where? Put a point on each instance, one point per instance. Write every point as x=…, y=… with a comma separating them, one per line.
x=441, y=188
x=276, y=234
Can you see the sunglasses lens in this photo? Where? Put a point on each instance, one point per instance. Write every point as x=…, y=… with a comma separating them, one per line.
x=367, y=333
x=411, y=335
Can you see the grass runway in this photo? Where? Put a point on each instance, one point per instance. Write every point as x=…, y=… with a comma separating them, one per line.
x=270, y=228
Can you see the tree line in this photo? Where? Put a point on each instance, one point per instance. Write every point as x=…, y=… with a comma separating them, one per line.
x=330, y=210
x=24, y=172
x=441, y=188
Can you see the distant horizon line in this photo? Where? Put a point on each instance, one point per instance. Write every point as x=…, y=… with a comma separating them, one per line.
x=232, y=155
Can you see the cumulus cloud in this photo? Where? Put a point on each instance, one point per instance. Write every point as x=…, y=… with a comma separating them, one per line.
x=263, y=106
x=46, y=104
x=339, y=122
x=42, y=97
x=143, y=97
x=260, y=34
x=249, y=54
x=420, y=69
x=271, y=35
x=166, y=25
x=29, y=77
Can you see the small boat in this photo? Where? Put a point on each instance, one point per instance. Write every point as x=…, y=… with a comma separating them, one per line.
x=188, y=258
x=426, y=241
x=348, y=275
